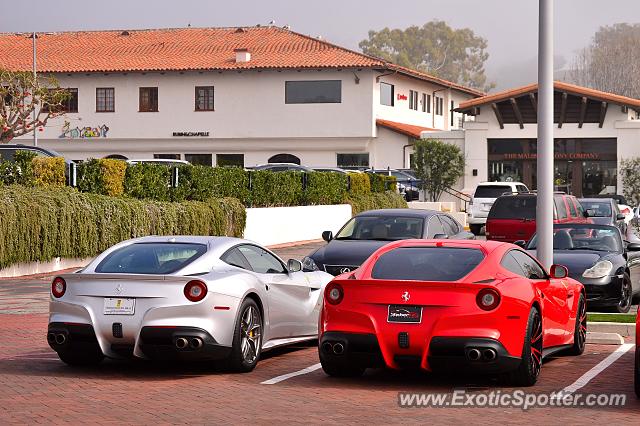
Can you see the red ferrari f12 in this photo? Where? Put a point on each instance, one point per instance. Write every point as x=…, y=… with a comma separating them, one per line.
x=474, y=306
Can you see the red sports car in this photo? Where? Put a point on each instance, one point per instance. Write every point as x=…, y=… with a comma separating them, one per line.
x=636, y=376
x=476, y=306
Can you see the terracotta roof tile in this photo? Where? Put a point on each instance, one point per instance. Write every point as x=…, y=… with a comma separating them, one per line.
x=182, y=49
x=410, y=130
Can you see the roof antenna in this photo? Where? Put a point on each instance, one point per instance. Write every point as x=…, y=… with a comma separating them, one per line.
x=189, y=25
x=272, y=23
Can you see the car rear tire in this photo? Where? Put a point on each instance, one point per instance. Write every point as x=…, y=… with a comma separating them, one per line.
x=247, y=338
x=626, y=296
x=580, y=329
x=529, y=369
x=475, y=229
x=82, y=359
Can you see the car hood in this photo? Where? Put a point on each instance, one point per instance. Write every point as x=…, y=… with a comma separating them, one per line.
x=347, y=252
x=577, y=261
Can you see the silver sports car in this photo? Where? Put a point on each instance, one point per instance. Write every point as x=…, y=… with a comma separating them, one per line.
x=185, y=298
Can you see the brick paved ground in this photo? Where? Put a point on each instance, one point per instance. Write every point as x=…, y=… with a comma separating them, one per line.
x=35, y=387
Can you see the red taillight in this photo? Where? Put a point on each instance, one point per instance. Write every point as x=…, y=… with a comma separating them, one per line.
x=195, y=290
x=58, y=287
x=488, y=299
x=334, y=293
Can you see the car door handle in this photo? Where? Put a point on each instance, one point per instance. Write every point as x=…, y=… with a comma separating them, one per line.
x=569, y=295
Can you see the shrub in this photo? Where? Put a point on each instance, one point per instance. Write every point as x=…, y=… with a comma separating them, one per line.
x=39, y=224
x=438, y=165
x=49, y=171
x=382, y=183
x=202, y=182
x=148, y=181
x=325, y=188
x=378, y=200
x=269, y=189
x=359, y=183
x=103, y=176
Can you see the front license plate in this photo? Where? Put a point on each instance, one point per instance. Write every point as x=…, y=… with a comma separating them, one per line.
x=402, y=313
x=119, y=306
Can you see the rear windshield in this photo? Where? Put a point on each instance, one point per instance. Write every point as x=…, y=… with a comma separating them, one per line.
x=514, y=208
x=491, y=191
x=151, y=258
x=427, y=263
x=599, y=208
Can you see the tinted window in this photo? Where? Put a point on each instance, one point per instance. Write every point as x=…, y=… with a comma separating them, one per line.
x=514, y=207
x=450, y=226
x=426, y=264
x=572, y=207
x=353, y=160
x=261, y=261
x=230, y=160
x=530, y=267
x=561, y=208
x=435, y=227
x=491, y=191
x=600, y=208
x=381, y=228
x=151, y=258
x=313, y=92
x=521, y=188
x=199, y=159
x=509, y=263
x=234, y=258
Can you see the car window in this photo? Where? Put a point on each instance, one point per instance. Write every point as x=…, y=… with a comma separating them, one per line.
x=435, y=227
x=530, y=267
x=580, y=209
x=234, y=258
x=450, y=226
x=561, y=207
x=261, y=261
x=381, y=228
x=514, y=207
x=599, y=208
x=572, y=207
x=491, y=191
x=510, y=264
x=521, y=188
x=426, y=263
x=151, y=258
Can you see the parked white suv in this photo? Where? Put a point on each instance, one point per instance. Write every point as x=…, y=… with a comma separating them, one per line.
x=483, y=198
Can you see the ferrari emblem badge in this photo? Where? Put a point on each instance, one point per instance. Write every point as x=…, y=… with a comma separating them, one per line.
x=406, y=296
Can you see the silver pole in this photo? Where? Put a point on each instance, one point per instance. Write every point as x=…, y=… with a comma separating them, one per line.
x=544, y=213
x=35, y=76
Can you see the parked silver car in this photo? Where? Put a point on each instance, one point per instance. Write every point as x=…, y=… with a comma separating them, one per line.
x=185, y=298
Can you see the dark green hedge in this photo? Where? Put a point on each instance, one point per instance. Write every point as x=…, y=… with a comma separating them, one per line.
x=377, y=200
x=382, y=183
x=38, y=224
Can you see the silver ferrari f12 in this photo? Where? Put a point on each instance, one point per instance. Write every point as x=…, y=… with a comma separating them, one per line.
x=183, y=298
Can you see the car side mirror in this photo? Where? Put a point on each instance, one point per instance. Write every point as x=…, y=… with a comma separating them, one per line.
x=558, y=271
x=294, y=265
x=619, y=216
x=521, y=243
x=633, y=246
x=440, y=237
x=589, y=213
x=327, y=236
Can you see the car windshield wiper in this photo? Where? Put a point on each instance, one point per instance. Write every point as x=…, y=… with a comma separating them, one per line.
x=586, y=248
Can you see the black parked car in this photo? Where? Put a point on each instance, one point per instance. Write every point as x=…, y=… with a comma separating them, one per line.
x=598, y=257
x=282, y=167
x=604, y=211
x=407, y=183
x=368, y=231
x=7, y=152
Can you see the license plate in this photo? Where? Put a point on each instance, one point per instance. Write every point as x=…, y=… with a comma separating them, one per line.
x=119, y=306
x=402, y=313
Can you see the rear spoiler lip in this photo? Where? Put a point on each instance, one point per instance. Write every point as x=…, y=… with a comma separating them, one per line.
x=466, y=283
x=122, y=277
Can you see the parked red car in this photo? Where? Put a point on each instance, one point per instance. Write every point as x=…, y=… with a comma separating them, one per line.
x=447, y=305
x=513, y=217
x=636, y=376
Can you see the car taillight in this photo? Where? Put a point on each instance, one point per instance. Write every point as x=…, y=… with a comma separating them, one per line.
x=488, y=299
x=58, y=287
x=195, y=290
x=334, y=293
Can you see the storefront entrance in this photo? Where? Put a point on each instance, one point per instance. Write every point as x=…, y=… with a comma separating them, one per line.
x=582, y=167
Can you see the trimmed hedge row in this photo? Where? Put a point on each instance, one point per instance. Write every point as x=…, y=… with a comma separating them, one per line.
x=381, y=200
x=40, y=224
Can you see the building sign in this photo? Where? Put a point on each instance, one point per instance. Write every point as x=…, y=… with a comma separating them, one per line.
x=84, y=132
x=402, y=97
x=557, y=156
x=190, y=134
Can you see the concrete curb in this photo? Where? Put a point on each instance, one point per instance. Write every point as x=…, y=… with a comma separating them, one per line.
x=623, y=329
x=597, y=338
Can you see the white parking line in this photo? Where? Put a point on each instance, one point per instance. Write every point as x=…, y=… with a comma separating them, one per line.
x=290, y=375
x=602, y=365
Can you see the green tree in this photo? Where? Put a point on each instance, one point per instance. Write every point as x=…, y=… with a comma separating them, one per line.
x=457, y=55
x=20, y=95
x=438, y=165
x=630, y=171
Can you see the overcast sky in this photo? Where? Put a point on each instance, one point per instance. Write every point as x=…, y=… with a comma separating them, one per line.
x=510, y=26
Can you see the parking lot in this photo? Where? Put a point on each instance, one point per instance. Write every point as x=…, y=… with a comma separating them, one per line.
x=37, y=387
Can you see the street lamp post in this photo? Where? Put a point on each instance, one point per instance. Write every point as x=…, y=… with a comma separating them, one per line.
x=35, y=76
x=544, y=213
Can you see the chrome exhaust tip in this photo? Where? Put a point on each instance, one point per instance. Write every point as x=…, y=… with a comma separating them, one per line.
x=60, y=338
x=196, y=343
x=473, y=354
x=327, y=347
x=338, y=349
x=51, y=337
x=181, y=343
x=489, y=354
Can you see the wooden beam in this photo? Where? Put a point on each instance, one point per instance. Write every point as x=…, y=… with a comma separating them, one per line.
x=583, y=111
x=603, y=113
x=534, y=104
x=563, y=110
x=516, y=111
x=498, y=115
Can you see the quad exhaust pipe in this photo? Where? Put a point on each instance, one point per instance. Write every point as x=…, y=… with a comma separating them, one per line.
x=473, y=354
x=181, y=343
x=196, y=343
x=56, y=338
x=336, y=348
x=485, y=354
x=489, y=354
x=189, y=342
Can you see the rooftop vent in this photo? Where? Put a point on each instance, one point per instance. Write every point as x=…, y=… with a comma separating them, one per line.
x=242, y=55
x=240, y=30
x=125, y=33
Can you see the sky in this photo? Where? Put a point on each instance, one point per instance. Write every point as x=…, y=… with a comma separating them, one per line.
x=510, y=26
